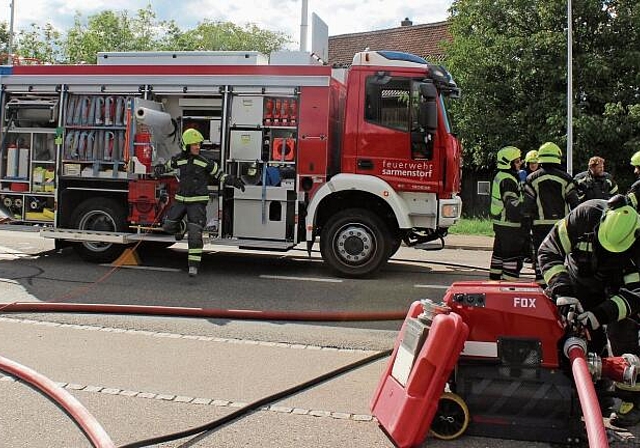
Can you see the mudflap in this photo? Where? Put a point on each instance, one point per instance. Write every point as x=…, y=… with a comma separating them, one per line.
x=407, y=395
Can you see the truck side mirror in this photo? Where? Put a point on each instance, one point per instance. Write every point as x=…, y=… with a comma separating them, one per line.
x=428, y=116
x=428, y=91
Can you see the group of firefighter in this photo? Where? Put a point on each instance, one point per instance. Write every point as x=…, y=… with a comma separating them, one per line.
x=585, y=239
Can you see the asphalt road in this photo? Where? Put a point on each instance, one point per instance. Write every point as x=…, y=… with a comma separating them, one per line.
x=147, y=376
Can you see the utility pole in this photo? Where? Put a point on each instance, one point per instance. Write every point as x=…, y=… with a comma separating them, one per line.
x=304, y=24
x=569, y=89
x=10, y=46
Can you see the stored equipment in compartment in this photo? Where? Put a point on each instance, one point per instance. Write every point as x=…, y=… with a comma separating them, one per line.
x=32, y=111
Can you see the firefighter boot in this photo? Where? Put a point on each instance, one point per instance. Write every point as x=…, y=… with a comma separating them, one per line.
x=193, y=271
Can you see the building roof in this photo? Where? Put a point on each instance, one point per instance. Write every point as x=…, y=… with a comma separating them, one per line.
x=422, y=40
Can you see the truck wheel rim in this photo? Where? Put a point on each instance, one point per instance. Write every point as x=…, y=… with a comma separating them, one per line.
x=97, y=220
x=354, y=244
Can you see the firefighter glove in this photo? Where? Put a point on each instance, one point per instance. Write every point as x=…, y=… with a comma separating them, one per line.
x=159, y=170
x=569, y=307
x=234, y=182
x=589, y=320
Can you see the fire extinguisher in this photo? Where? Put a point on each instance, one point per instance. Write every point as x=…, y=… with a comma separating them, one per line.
x=144, y=150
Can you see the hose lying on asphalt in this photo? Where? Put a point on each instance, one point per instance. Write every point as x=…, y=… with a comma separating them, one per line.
x=258, y=404
x=63, y=399
x=308, y=316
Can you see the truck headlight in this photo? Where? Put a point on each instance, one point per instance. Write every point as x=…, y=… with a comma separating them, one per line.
x=450, y=211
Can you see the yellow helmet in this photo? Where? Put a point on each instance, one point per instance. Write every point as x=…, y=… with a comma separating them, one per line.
x=531, y=157
x=617, y=231
x=191, y=136
x=507, y=155
x=635, y=159
x=549, y=152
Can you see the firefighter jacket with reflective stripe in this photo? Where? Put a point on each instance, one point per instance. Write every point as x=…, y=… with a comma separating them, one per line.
x=595, y=187
x=549, y=194
x=574, y=263
x=506, y=199
x=633, y=195
x=195, y=173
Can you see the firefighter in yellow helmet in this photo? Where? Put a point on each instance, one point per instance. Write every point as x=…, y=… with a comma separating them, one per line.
x=193, y=195
x=530, y=164
x=590, y=262
x=549, y=195
x=506, y=213
x=634, y=191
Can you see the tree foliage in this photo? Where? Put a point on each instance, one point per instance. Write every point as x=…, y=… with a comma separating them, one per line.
x=510, y=58
x=118, y=31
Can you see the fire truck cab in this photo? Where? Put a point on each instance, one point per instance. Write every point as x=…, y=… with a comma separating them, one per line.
x=362, y=158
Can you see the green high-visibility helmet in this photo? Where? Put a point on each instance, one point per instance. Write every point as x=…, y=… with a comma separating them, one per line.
x=191, y=136
x=617, y=231
x=507, y=155
x=549, y=152
x=531, y=157
x=635, y=159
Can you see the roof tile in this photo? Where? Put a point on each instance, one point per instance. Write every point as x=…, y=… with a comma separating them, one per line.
x=422, y=40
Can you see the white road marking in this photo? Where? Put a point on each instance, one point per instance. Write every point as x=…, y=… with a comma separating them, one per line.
x=304, y=279
x=432, y=286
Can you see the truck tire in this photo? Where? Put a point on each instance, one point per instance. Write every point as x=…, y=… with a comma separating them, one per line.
x=393, y=244
x=99, y=214
x=354, y=244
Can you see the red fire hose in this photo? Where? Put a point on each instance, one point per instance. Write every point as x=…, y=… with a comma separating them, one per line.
x=83, y=418
x=575, y=349
x=309, y=316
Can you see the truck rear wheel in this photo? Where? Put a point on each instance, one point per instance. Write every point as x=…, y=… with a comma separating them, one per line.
x=103, y=215
x=353, y=243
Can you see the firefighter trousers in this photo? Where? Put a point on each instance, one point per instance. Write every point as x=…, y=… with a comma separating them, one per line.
x=538, y=233
x=196, y=213
x=506, y=259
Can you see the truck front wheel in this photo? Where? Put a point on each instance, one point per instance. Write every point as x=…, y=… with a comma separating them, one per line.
x=99, y=214
x=353, y=243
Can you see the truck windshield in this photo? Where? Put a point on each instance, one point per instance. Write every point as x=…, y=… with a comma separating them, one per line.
x=444, y=106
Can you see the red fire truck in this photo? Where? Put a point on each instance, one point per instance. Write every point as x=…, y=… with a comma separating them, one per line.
x=361, y=158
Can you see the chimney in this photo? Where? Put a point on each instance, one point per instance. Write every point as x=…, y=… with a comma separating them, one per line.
x=406, y=22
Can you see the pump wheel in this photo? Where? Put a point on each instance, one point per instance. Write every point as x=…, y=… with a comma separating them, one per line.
x=100, y=214
x=451, y=418
x=354, y=244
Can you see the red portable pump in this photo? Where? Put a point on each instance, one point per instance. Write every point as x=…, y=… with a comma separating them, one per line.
x=521, y=374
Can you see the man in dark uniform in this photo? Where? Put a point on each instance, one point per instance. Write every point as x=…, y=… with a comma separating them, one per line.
x=595, y=183
x=549, y=194
x=193, y=195
x=506, y=213
x=591, y=263
x=634, y=191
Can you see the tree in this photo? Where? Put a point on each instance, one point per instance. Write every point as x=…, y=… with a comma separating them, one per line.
x=509, y=57
x=209, y=35
x=39, y=43
x=116, y=31
x=4, y=42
